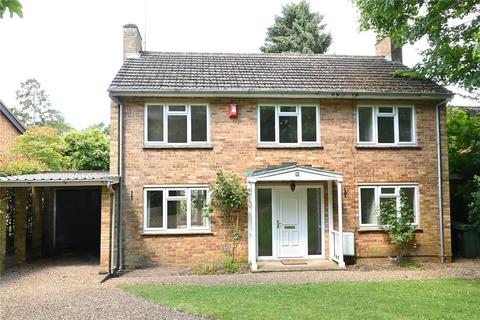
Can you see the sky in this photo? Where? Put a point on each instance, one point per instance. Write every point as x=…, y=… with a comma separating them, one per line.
x=74, y=48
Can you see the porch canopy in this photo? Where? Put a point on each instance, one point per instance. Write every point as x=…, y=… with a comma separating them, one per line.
x=60, y=179
x=293, y=172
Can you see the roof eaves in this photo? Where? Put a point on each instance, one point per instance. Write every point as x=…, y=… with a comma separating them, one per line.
x=12, y=118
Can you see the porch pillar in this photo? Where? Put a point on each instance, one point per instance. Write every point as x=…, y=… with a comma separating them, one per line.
x=341, y=263
x=105, y=230
x=252, y=227
x=330, y=218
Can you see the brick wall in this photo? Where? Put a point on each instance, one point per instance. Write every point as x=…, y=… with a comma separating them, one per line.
x=7, y=136
x=234, y=148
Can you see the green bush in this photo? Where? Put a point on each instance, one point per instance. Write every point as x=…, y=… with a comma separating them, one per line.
x=474, y=204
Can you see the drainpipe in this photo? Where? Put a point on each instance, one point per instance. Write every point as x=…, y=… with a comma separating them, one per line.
x=120, y=175
x=112, y=267
x=440, y=178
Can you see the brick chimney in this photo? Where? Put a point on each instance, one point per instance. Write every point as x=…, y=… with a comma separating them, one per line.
x=132, y=41
x=385, y=48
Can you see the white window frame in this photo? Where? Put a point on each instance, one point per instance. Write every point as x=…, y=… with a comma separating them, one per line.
x=394, y=114
x=166, y=197
x=166, y=113
x=379, y=195
x=298, y=114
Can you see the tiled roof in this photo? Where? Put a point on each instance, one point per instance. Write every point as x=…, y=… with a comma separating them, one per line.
x=11, y=117
x=266, y=73
x=63, y=177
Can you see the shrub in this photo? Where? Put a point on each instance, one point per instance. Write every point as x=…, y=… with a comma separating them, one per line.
x=474, y=204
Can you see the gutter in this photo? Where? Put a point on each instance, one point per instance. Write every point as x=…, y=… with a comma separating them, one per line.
x=273, y=94
x=440, y=178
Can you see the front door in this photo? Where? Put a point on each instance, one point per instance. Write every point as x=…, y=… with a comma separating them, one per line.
x=290, y=233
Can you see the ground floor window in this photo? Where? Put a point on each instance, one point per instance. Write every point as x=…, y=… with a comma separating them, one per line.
x=314, y=221
x=372, y=197
x=265, y=222
x=175, y=208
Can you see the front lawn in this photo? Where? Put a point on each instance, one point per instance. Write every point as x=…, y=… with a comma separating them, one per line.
x=419, y=299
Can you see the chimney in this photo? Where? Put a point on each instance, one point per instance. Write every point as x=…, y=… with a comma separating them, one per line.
x=385, y=48
x=132, y=41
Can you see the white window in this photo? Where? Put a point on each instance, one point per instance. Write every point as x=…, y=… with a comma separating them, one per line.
x=386, y=125
x=176, y=209
x=372, y=197
x=177, y=124
x=288, y=124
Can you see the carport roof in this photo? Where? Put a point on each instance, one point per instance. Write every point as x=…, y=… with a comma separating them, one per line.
x=77, y=178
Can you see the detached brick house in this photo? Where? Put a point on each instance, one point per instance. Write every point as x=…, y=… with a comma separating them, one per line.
x=320, y=141
x=10, y=128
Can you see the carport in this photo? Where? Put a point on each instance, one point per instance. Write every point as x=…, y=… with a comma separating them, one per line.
x=54, y=213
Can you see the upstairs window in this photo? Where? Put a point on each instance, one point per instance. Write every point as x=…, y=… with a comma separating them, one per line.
x=176, y=124
x=373, y=197
x=288, y=124
x=386, y=125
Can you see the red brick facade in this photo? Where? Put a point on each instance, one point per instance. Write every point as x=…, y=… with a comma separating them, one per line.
x=7, y=136
x=235, y=149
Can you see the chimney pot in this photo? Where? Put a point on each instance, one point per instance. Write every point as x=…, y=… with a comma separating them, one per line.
x=386, y=48
x=132, y=41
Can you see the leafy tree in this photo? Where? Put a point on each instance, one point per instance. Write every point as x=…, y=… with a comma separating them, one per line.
x=87, y=150
x=452, y=29
x=102, y=126
x=297, y=30
x=398, y=223
x=41, y=144
x=13, y=6
x=34, y=107
x=229, y=197
x=22, y=166
x=474, y=205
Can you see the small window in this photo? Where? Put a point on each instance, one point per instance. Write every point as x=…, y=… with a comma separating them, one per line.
x=386, y=125
x=176, y=124
x=372, y=198
x=175, y=209
x=288, y=124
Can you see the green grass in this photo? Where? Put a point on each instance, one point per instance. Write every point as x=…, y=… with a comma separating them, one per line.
x=419, y=299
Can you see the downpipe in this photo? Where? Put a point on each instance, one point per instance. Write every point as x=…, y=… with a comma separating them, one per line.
x=440, y=178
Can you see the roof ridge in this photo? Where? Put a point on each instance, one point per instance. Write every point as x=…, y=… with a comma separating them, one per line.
x=247, y=54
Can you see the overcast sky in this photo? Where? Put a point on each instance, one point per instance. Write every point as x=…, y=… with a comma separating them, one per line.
x=74, y=48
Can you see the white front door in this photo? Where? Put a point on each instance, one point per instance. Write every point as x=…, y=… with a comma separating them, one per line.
x=289, y=224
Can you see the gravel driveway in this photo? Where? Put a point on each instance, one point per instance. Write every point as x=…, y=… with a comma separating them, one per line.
x=69, y=288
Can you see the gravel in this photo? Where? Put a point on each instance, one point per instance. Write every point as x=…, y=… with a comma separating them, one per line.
x=70, y=288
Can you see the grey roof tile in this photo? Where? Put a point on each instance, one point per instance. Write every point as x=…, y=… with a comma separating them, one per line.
x=266, y=73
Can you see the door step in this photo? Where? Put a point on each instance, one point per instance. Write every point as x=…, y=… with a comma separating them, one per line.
x=293, y=262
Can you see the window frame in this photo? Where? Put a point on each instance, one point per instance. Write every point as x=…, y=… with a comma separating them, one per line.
x=166, y=113
x=379, y=195
x=396, y=125
x=166, y=197
x=298, y=114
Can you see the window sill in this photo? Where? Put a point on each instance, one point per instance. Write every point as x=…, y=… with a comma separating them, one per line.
x=378, y=229
x=392, y=147
x=177, y=233
x=288, y=146
x=179, y=146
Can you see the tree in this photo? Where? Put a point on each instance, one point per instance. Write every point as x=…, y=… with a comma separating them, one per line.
x=398, y=223
x=452, y=29
x=40, y=144
x=34, y=107
x=13, y=6
x=102, y=127
x=87, y=150
x=297, y=30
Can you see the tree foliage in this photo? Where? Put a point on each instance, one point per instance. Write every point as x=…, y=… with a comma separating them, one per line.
x=87, y=150
x=474, y=204
x=34, y=107
x=41, y=144
x=452, y=29
x=13, y=6
x=297, y=30
x=229, y=197
x=22, y=166
x=397, y=222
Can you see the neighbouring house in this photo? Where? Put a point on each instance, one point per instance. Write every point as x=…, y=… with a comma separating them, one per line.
x=10, y=128
x=319, y=140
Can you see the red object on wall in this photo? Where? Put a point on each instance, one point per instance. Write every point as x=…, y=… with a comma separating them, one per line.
x=233, y=110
